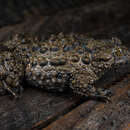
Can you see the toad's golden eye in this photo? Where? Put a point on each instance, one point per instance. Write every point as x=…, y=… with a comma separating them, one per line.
x=118, y=52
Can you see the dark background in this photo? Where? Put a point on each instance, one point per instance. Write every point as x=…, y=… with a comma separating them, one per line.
x=100, y=19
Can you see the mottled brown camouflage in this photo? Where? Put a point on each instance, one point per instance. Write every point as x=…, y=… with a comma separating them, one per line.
x=72, y=61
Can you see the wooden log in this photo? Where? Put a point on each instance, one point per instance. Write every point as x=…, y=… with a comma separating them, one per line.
x=33, y=106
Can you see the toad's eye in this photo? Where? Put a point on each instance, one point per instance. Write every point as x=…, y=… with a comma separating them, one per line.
x=118, y=52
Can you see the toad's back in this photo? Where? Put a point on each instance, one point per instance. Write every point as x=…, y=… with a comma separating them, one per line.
x=76, y=62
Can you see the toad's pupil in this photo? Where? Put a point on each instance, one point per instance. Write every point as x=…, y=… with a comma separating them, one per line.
x=6, y=59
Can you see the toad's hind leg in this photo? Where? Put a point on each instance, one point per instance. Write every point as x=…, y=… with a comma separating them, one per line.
x=83, y=84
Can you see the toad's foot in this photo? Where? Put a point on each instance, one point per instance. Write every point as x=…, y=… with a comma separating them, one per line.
x=95, y=93
x=100, y=94
x=103, y=94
